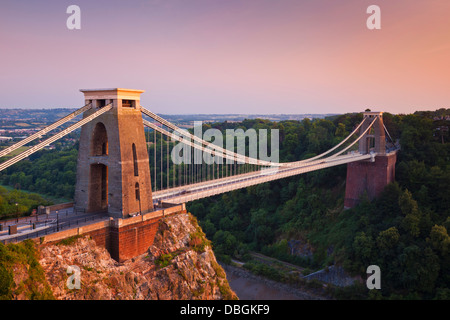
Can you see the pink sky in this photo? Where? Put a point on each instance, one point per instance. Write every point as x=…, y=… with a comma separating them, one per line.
x=234, y=56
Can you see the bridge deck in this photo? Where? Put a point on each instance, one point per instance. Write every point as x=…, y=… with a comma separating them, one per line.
x=214, y=187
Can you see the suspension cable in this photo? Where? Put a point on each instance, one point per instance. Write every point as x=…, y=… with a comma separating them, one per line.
x=52, y=139
x=161, y=162
x=335, y=147
x=362, y=135
x=45, y=130
x=385, y=129
x=154, y=156
x=242, y=158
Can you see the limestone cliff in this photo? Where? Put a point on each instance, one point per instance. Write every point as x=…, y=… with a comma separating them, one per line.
x=179, y=265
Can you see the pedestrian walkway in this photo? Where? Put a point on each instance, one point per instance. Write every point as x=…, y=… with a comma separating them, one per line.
x=44, y=224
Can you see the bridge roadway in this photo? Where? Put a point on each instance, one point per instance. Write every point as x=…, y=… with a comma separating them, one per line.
x=210, y=188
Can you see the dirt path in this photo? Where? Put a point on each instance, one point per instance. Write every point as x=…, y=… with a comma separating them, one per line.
x=272, y=261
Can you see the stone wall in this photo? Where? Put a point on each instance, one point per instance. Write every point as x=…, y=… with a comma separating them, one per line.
x=123, y=238
x=334, y=275
x=132, y=240
x=368, y=177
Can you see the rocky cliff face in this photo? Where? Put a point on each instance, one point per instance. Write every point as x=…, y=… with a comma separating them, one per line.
x=179, y=265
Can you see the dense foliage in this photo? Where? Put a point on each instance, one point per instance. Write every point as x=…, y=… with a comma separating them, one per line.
x=51, y=172
x=14, y=203
x=404, y=231
x=22, y=260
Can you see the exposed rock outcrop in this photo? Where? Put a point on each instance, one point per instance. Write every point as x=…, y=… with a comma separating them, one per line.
x=179, y=265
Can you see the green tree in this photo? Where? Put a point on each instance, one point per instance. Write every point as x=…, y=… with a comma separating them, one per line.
x=420, y=269
x=6, y=281
x=388, y=239
x=340, y=131
x=225, y=243
x=363, y=247
x=412, y=214
x=440, y=240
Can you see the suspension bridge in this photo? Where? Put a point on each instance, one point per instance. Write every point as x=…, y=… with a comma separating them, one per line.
x=125, y=156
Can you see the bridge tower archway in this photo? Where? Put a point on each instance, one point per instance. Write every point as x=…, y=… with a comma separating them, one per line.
x=99, y=144
x=375, y=138
x=98, y=184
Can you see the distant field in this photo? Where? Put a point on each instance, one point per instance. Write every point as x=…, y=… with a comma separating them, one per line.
x=55, y=200
x=15, y=152
x=22, y=124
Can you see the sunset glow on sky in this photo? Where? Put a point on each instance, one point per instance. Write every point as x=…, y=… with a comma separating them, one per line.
x=229, y=56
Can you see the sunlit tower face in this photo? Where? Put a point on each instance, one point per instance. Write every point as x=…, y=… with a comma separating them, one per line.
x=113, y=165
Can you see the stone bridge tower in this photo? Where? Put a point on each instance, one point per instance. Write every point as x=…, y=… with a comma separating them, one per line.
x=113, y=173
x=370, y=176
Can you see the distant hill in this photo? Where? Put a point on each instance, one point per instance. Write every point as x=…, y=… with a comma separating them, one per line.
x=22, y=118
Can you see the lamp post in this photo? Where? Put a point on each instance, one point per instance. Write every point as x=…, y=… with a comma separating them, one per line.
x=17, y=212
x=140, y=211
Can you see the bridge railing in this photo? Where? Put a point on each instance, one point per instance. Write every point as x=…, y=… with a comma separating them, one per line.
x=49, y=226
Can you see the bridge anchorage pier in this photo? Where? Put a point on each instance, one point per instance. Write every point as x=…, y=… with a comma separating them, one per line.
x=370, y=176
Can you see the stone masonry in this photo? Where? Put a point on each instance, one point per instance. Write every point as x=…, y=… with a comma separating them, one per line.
x=113, y=173
x=370, y=176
